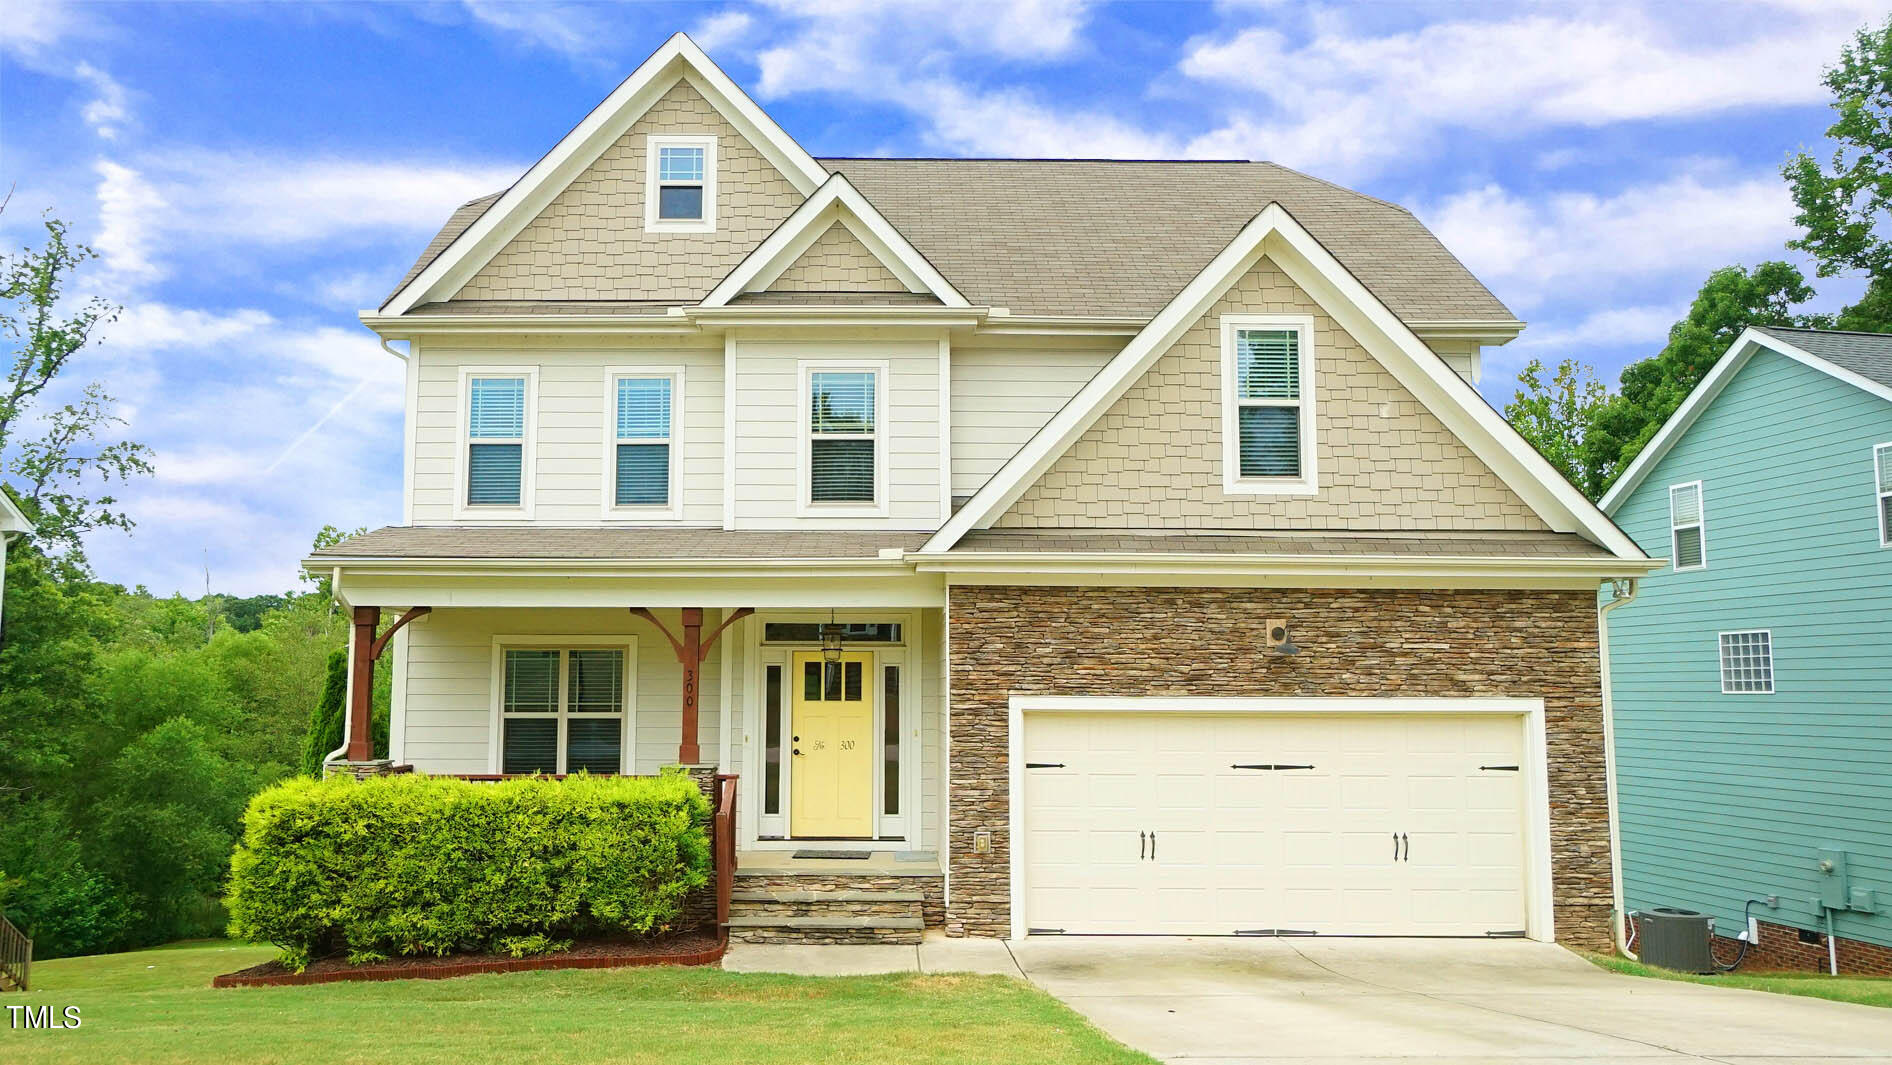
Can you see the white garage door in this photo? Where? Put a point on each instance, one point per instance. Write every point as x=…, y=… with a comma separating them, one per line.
x=1219, y=824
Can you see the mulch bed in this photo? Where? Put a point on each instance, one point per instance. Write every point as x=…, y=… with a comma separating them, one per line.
x=701, y=947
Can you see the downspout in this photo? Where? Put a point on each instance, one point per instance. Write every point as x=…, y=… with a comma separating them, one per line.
x=335, y=584
x=1622, y=593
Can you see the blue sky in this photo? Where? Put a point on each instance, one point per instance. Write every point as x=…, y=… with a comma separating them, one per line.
x=253, y=174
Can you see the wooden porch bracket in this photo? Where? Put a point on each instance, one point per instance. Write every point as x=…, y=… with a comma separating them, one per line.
x=368, y=648
x=691, y=650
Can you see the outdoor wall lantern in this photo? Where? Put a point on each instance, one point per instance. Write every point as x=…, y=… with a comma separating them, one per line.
x=831, y=640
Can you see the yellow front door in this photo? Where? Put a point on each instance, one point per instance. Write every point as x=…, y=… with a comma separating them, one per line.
x=831, y=783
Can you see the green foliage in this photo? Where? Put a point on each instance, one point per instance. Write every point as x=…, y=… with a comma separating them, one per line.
x=417, y=865
x=1732, y=299
x=1555, y=415
x=64, y=904
x=50, y=468
x=1843, y=204
x=325, y=722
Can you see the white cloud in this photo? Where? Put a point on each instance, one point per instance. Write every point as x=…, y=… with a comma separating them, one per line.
x=108, y=109
x=1584, y=244
x=569, y=29
x=724, y=29
x=1346, y=100
x=33, y=27
x=130, y=212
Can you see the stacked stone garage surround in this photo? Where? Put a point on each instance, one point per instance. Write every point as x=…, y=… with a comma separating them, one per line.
x=1009, y=641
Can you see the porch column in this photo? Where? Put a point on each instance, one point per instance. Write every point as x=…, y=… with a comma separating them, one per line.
x=689, y=752
x=361, y=684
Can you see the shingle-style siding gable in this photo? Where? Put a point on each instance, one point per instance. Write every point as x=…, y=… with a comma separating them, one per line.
x=837, y=262
x=1752, y=786
x=590, y=244
x=1154, y=459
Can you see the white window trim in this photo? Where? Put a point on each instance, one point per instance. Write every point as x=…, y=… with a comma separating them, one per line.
x=1233, y=483
x=652, y=224
x=804, y=480
x=627, y=743
x=528, y=452
x=1721, y=668
x=672, y=510
x=1884, y=490
x=1700, y=522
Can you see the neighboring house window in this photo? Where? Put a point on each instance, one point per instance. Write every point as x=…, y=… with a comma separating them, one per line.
x=496, y=441
x=1882, y=471
x=1687, y=548
x=563, y=710
x=643, y=460
x=1747, y=663
x=680, y=190
x=843, y=437
x=1268, y=405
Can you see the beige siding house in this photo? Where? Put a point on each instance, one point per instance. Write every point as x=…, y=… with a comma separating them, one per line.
x=1042, y=547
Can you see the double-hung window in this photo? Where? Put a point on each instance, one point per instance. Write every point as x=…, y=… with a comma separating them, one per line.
x=843, y=437
x=562, y=709
x=680, y=189
x=1747, y=663
x=1687, y=527
x=643, y=458
x=1882, y=480
x=1268, y=403
x=497, y=421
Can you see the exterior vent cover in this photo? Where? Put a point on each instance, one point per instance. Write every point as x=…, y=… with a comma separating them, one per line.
x=1676, y=939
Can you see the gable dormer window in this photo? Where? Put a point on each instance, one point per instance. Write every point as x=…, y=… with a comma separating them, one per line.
x=680, y=184
x=1268, y=404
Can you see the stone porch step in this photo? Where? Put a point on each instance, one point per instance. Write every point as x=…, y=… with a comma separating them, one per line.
x=776, y=928
x=838, y=895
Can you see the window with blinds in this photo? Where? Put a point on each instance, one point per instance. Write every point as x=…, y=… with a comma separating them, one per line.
x=1882, y=471
x=495, y=444
x=562, y=710
x=643, y=458
x=842, y=436
x=1268, y=395
x=1687, y=527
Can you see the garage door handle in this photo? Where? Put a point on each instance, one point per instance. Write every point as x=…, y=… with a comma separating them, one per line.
x=1395, y=846
x=1141, y=843
x=1408, y=843
x=1152, y=846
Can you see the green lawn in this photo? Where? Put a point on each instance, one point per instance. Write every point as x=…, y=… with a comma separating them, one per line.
x=157, y=1006
x=1864, y=990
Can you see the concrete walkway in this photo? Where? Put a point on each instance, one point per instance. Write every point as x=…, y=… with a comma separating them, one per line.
x=1289, y=1001
x=1281, y=1001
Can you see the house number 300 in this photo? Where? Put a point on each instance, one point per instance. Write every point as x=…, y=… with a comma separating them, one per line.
x=847, y=745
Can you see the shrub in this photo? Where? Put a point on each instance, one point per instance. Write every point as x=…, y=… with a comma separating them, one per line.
x=417, y=865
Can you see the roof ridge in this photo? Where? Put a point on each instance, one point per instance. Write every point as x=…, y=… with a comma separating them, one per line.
x=1336, y=185
x=1826, y=332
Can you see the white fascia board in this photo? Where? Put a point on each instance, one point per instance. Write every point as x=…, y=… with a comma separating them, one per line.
x=1003, y=488
x=12, y=518
x=1184, y=570
x=1484, y=331
x=679, y=58
x=836, y=200
x=1275, y=234
x=1743, y=349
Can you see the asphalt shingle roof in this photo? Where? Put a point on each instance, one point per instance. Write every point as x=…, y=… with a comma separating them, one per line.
x=1867, y=354
x=1112, y=238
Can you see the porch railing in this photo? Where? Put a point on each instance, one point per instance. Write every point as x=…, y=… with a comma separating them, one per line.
x=723, y=845
x=16, y=957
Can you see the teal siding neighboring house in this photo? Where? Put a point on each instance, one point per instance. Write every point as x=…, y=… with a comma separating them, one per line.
x=1728, y=790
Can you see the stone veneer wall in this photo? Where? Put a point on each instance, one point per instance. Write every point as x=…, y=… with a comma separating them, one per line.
x=1211, y=641
x=589, y=243
x=837, y=262
x=1154, y=459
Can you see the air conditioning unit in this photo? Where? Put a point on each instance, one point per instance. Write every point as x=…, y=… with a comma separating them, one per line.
x=1676, y=939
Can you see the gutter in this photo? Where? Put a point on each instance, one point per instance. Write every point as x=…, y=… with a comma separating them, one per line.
x=1623, y=592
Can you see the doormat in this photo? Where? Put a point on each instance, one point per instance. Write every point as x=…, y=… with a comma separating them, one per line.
x=845, y=855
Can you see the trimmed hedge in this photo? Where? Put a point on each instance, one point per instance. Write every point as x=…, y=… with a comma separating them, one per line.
x=418, y=865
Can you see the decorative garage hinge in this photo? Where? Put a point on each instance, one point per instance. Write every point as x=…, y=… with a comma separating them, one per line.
x=1275, y=932
x=1510, y=933
x=1500, y=768
x=1268, y=766
x=1044, y=931
x=1044, y=765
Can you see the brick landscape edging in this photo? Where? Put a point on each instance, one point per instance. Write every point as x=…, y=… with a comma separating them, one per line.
x=448, y=969
x=1009, y=641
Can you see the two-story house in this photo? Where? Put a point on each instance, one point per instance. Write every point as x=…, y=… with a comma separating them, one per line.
x=1752, y=676
x=1046, y=546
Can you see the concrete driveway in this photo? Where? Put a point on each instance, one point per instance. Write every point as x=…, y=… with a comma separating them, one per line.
x=1279, y=1001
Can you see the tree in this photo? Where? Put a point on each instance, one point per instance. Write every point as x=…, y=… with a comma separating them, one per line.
x=1732, y=299
x=1555, y=417
x=1842, y=205
x=50, y=469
